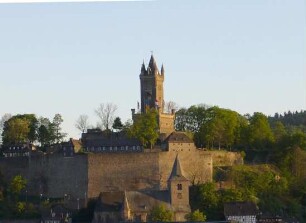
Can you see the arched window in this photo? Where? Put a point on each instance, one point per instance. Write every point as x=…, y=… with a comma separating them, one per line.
x=179, y=187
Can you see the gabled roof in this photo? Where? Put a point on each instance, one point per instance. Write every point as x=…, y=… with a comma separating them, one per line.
x=100, y=139
x=110, y=201
x=176, y=173
x=178, y=137
x=144, y=201
x=242, y=208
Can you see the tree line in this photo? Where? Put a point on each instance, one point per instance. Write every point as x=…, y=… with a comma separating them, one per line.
x=27, y=128
x=214, y=127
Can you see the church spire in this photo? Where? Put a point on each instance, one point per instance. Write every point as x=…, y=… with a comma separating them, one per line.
x=176, y=173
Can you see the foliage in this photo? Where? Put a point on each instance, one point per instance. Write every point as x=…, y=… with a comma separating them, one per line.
x=145, y=128
x=20, y=207
x=56, y=129
x=16, y=131
x=259, y=132
x=262, y=184
x=218, y=127
x=223, y=128
x=26, y=128
x=3, y=119
x=196, y=216
x=160, y=214
x=17, y=184
x=206, y=198
x=117, y=125
x=289, y=119
x=20, y=129
x=191, y=119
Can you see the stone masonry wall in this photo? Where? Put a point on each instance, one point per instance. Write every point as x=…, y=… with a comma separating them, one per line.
x=196, y=164
x=131, y=171
x=49, y=175
x=85, y=176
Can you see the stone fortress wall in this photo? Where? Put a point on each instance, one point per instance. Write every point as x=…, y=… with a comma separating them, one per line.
x=85, y=176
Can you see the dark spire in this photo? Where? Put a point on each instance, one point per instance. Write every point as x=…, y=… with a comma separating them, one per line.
x=143, y=68
x=152, y=65
x=176, y=173
x=162, y=70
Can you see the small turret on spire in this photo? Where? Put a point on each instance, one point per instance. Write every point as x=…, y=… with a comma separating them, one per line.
x=162, y=70
x=143, y=68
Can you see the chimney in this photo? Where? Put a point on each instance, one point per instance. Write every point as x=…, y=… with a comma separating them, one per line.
x=133, y=111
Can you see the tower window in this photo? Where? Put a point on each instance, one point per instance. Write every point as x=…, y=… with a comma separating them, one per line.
x=179, y=187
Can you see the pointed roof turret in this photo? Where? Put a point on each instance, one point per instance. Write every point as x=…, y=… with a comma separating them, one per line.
x=176, y=173
x=162, y=70
x=143, y=68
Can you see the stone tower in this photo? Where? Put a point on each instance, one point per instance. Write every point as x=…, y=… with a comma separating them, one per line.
x=179, y=191
x=152, y=95
x=151, y=86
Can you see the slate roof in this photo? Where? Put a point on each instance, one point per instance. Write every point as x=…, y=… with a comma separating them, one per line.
x=136, y=200
x=178, y=137
x=98, y=138
x=57, y=211
x=177, y=173
x=139, y=201
x=152, y=64
x=110, y=201
x=242, y=208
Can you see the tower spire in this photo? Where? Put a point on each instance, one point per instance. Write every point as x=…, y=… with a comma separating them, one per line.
x=162, y=70
x=176, y=173
x=152, y=65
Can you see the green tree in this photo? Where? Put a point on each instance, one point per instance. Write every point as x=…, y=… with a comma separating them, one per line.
x=160, y=214
x=196, y=216
x=220, y=127
x=279, y=131
x=19, y=129
x=191, y=119
x=145, y=128
x=56, y=128
x=3, y=119
x=259, y=131
x=17, y=184
x=206, y=198
x=117, y=125
x=16, y=131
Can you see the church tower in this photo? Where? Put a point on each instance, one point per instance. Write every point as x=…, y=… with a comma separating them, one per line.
x=152, y=96
x=179, y=191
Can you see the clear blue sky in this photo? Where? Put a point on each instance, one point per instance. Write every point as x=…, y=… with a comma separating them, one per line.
x=68, y=58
